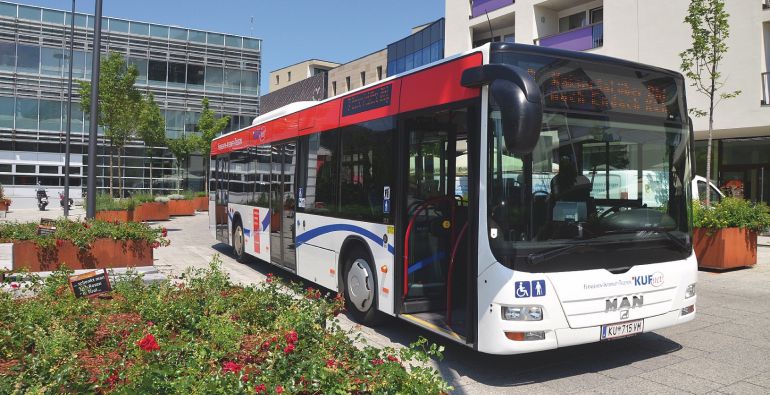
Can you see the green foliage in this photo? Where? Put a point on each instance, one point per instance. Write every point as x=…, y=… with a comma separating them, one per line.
x=105, y=202
x=202, y=336
x=152, y=125
x=182, y=148
x=732, y=213
x=140, y=198
x=81, y=234
x=210, y=126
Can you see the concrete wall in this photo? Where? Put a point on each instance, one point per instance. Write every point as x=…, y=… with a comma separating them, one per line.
x=300, y=71
x=651, y=32
x=367, y=64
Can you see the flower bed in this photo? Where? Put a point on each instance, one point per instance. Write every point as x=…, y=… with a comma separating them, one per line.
x=207, y=336
x=82, y=245
x=151, y=211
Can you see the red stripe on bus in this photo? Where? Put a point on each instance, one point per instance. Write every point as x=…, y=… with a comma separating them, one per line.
x=433, y=86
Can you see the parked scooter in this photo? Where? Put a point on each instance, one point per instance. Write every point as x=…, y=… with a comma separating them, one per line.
x=42, y=198
x=61, y=201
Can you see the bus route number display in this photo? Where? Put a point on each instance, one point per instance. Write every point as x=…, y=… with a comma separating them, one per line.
x=369, y=100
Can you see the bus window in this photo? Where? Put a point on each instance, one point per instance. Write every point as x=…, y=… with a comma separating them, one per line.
x=322, y=157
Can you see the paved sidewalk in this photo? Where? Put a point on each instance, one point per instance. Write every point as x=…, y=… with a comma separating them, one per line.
x=726, y=349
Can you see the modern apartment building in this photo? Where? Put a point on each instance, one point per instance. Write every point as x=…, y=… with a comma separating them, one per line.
x=651, y=32
x=180, y=66
x=288, y=75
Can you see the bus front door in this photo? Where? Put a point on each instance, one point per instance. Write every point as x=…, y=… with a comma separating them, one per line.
x=221, y=172
x=435, y=239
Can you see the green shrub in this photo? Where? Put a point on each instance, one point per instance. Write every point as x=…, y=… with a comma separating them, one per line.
x=106, y=202
x=140, y=198
x=732, y=213
x=204, y=337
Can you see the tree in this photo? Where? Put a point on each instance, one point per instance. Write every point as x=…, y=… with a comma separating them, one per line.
x=209, y=126
x=182, y=148
x=152, y=128
x=119, y=104
x=700, y=63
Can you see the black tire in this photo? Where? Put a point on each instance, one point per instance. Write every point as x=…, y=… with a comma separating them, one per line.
x=360, y=287
x=239, y=243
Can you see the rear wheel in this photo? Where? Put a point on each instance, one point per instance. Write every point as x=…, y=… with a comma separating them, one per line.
x=239, y=245
x=360, y=285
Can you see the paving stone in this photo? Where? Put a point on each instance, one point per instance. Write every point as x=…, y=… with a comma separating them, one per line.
x=681, y=381
x=635, y=385
x=746, y=355
x=579, y=382
x=743, y=387
x=708, y=369
x=706, y=340
x=762, y=379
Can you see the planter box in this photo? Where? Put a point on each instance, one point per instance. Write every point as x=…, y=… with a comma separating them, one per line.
x=181, y=207
x=5, y=204
x=103, y=253
x=116, y=215
x=201, y=203
x=725, y=248
x=151, y=211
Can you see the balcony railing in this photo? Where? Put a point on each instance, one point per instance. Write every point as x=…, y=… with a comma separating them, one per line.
x=765, y=89
x=579, y=39
x=481, y=7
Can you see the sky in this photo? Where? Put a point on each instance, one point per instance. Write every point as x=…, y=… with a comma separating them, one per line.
x=291, y=30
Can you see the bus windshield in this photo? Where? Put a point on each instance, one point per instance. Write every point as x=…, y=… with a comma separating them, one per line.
x=607, y=185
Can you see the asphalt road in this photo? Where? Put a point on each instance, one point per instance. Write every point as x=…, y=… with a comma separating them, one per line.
x=726, y=349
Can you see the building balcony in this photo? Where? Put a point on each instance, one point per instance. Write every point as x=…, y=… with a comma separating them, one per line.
x=481, y=7
x=580, y=39
x=765, y=89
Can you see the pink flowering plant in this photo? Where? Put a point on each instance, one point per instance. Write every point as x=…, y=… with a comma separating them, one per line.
x=202, y=335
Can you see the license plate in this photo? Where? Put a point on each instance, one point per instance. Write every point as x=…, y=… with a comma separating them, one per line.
x=622, y=329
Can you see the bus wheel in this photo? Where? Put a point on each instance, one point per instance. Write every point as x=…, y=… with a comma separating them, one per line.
x=239, y=245
x=361, y=288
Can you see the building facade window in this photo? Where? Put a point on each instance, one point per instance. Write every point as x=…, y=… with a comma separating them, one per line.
x=347, y=84
x=288, y=78
x=573, y=21
x=379, y=73
x=334, y=88
x=363, y=78
x=421, y=48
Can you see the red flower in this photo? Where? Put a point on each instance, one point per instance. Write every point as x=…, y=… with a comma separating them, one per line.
x=155, y=244
x=291, y=336
x=59, y=242
x=245, y=378
x=86, y=225
x=289, y=349
x=269, y=278
x=231, y=367
x=392, y=358
x=148, y=343
x=164, y=232
x=278, y=389
x=150, y=323
x=260, y=389
x=377, y=361
x=15, y=285
x=331, y=363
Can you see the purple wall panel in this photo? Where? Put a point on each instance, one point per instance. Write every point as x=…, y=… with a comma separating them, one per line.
x=576, y=40
x=480, y=7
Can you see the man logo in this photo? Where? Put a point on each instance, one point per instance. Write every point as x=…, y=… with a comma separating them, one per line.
x=624, y=314
x=625, y=303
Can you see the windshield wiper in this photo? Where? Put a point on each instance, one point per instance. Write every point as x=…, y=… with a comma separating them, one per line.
x=681, y=245
x=537, y=258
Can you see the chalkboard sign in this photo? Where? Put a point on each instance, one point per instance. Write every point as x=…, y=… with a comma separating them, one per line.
x=369, y=100
x=90, y=284
x=47, y=222
x=45, y=230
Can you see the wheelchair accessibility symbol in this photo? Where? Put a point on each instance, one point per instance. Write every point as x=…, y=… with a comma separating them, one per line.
x=525, y=289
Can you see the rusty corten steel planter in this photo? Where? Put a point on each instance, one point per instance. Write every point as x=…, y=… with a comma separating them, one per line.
x=181, y=207
x=725, y=248
x=201, y=203
x=103, y=253
x=115, y=215
x=151, y=211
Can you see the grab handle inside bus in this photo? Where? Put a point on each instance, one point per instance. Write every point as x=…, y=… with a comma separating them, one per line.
x=519, y=99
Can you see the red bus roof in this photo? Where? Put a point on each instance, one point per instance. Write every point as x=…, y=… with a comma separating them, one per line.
x=436, y=85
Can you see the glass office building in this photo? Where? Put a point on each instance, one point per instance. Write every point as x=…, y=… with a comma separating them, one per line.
x=179, y=66
x=419, y=48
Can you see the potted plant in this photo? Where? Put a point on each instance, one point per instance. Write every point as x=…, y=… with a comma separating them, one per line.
x=111, y=209
x=149, y=208
x=82, y=245
x=179, y=204
x=5, y=203
x=201, y=201
x=725, y=234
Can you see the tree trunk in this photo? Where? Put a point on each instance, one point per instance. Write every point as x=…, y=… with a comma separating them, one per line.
x=711, y=128
x=151, y=172
x=112, y=149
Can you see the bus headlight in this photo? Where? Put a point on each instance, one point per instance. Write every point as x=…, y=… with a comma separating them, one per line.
x=522, y=313
x=690, y=292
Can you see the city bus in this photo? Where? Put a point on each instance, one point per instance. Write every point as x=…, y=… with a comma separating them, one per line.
x=513, y=198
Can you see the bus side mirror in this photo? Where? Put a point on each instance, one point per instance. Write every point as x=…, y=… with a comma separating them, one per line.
x=519, y=99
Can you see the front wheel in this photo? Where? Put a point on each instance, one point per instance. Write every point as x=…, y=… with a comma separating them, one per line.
x=239, y=245
x=360, y=285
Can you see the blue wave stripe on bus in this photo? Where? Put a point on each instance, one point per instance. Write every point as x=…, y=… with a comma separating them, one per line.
x=312, y=234
x=426, y=262
x=247, y=232
x=266, y=221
